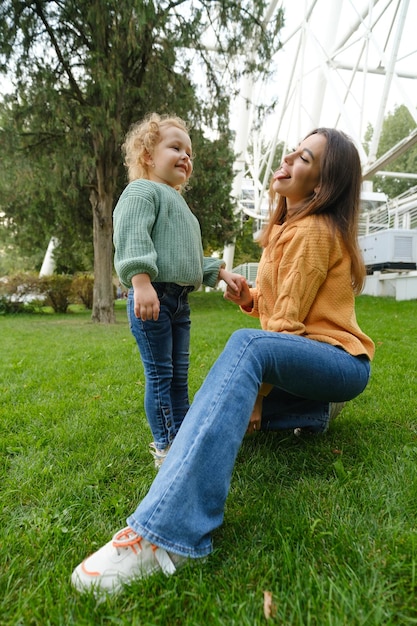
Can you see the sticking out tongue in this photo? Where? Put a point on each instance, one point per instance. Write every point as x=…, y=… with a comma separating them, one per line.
x=281, y=174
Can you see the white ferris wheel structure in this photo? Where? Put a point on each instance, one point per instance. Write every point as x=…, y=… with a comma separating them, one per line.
x=346, y=64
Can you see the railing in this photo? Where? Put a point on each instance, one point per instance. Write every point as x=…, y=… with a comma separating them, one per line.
x=400, y=212
x=248, y=270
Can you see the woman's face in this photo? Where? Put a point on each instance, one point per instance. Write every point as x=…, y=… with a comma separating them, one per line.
x=299, y=174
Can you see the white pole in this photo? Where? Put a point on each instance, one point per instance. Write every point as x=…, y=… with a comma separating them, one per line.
x=48, y=264
x=332, y=19
x=389, y=75
x=243, y=113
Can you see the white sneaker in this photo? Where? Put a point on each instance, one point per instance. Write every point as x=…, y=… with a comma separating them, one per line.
x=335, y=408
x=125, y=558
x=158, y=455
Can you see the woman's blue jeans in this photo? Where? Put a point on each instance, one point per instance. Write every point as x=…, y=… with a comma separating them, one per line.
x=186, y=500
x=164, y=346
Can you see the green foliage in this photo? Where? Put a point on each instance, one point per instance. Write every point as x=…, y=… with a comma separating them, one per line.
x=12, y=257
x=20, y=293
x=27, y=292
x=83, y=72
x=11, y=307
x=42, y=194
x=396, y=126
x=20, y=284
x=209, y=190
x=326, y=524
x=57, y=289
x=247, y=250
x=82, y=287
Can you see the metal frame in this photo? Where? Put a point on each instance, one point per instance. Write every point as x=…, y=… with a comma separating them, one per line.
x=337, y=58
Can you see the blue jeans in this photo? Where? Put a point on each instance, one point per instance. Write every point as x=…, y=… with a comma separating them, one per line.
x=186, y=500
x=164, y=347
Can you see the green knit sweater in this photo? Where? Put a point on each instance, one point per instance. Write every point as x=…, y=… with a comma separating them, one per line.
x=155, y=233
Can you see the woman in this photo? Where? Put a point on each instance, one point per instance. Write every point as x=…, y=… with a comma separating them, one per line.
x=310, y=353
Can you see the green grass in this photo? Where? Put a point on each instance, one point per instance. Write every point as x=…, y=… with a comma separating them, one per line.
x=328, y=525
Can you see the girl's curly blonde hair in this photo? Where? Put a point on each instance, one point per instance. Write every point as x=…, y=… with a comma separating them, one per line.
x=141, y=139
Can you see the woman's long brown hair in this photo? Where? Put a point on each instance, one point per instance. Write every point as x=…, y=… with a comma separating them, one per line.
x=337, y=198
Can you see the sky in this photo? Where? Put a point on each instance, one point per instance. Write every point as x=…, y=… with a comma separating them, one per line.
x=359, y=98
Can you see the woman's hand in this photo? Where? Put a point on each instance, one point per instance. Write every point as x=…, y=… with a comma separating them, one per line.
x=242, y=296
x=234, y=282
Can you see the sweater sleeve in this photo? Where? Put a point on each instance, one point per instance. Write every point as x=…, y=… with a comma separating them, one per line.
x=211, y=269
x=252, y=311
x=133, y=220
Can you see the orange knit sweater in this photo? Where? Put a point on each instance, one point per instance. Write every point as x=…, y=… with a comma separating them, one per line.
x=304, y=286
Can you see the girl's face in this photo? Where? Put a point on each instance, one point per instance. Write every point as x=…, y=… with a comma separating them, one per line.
x=170, y=162
x=299, y=174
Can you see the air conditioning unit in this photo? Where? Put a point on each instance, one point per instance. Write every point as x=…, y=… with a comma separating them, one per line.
x=392, y=249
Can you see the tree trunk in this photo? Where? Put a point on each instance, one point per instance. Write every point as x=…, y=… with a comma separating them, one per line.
x=101, y=199
x=103, y=295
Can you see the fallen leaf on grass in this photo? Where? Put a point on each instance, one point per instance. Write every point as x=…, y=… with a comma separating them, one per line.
x=269, y=607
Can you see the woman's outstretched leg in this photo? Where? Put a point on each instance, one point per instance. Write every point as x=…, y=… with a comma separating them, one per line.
x=185, y=502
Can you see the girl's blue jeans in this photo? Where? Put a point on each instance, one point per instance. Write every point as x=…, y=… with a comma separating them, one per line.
x=164, y=346
x=186, y=500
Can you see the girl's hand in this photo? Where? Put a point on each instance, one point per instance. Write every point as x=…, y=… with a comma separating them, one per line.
x=145, y=298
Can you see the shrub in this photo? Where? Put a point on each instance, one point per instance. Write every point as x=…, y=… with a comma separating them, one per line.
x=8, y=306
x=20, y=293
x=57, y=289
x=82, y=290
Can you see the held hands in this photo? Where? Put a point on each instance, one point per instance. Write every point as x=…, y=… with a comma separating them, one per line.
x=237, y=290
x=234, y=282
x=146, y=300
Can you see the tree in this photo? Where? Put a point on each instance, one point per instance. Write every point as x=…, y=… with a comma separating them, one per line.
x=247, y=249
x=212, y=175
x=396, y=126
x=46, y=201
x=85, y=69
x=39, y=196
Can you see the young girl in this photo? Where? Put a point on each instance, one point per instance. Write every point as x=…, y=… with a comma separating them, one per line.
x=159, y=258
x=309, y=353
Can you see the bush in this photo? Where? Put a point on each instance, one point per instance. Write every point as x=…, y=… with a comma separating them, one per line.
x=57, y=289
x=82, y=289
x=20, y=293
x=8, y=306
x=20, y=285
x=27, y=292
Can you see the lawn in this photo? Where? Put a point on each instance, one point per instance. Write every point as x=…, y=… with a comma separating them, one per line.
x=326, y=524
